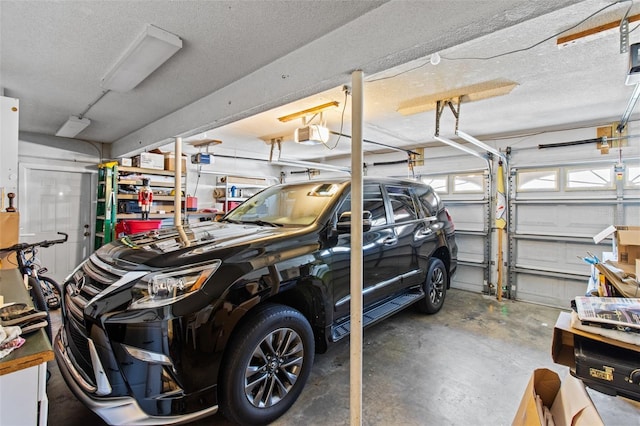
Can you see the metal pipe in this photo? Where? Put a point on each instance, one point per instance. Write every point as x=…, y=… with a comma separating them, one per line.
x=355, y=357
x=630, y=106
x=408, y=151
x=177, y=200
x=460, y=147
x=481, y=145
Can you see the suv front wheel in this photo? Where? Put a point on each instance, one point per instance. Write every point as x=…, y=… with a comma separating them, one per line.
x=268, y=363
x=435, y=287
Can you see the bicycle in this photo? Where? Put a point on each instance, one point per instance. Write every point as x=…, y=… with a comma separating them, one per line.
x=44, y=291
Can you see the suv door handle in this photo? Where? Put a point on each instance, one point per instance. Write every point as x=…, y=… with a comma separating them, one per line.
x=389, y=241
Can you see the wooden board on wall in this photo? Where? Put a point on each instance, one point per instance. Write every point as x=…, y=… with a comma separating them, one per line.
x=9, y=233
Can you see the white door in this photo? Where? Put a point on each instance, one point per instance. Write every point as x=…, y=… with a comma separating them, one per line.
x=57, y=201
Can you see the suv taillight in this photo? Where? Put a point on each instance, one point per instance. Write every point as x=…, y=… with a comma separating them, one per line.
x=453, y=227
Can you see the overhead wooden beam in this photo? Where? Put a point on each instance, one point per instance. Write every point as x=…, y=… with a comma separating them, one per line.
x=572, y=38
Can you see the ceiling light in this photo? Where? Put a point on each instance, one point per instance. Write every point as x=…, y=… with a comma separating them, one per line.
x=72, y=127
x=151, y=49
x=435, y=58
x=308, y=111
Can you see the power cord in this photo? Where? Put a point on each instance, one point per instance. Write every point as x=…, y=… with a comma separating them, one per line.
x=428, y=61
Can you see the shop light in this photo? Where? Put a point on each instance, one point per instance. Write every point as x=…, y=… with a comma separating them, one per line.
x=73, y=126
x=151, y=49
x=308, y=111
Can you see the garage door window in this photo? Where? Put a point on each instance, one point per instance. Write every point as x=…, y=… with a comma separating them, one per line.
x=537, y=180
x=590, y=178
x=632, y=179
x=469, y=183
x=440, y=184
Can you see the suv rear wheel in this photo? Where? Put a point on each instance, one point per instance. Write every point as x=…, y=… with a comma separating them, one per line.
x=435, y=287
x=268, y=363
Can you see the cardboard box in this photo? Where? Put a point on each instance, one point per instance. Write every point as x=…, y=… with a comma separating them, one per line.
x=149, y=160
x=628, y=244
x=567, y=401
x=169, y=161
x=9, y=234
x=625, y=244
x=126, y=162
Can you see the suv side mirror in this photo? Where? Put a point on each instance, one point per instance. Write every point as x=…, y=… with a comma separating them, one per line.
x=344, y=221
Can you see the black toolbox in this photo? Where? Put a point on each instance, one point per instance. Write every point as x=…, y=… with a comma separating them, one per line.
x=608, y=369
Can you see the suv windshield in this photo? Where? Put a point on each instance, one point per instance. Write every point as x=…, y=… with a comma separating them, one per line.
x=297, y=205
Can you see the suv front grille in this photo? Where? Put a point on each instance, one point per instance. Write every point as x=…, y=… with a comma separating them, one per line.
x=94, y=277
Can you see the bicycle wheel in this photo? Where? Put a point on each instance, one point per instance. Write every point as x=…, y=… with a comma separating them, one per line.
x=40, y=303
x=51, y=291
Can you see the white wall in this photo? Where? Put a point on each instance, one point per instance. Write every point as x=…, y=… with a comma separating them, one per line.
x=9, y=114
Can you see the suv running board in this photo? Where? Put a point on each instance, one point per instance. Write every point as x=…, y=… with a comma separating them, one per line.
x=377, y=313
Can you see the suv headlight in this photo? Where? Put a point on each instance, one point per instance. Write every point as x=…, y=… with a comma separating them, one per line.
x=164, y=288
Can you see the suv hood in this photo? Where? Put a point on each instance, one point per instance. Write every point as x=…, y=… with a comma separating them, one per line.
x=162, y=248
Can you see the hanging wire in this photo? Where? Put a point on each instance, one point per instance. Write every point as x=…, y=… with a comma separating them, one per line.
x=344, y=107
x=104, y=92
x=524, y=49
x=426, y=61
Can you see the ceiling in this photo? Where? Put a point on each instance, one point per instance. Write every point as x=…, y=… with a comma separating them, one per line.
x=245, y=63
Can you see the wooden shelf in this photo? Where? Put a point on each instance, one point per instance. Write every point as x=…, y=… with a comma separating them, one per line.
x=155, y=197
x=139, y=215
x=148, y=171
x=151, y=183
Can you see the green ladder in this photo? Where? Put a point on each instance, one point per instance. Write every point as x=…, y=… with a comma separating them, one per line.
x=106, y=204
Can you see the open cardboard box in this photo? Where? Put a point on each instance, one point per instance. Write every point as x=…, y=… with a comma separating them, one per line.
x=567, y=401
x=625, y=243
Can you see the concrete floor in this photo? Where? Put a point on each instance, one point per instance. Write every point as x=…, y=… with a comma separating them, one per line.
x=467, y=365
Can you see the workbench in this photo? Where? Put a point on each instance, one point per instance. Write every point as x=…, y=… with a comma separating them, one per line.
x=23, y=373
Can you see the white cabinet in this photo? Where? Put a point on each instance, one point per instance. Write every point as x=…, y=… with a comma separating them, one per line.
x=23, y=373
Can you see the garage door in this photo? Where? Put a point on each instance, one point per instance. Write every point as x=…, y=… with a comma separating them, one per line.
x=555, y=210
x=467, y=197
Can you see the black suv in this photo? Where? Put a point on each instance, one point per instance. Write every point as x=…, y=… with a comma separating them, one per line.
x=169, y=326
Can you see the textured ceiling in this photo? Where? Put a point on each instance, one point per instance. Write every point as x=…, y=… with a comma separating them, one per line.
x=246, y=63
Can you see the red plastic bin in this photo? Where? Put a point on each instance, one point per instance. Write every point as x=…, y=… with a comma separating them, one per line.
x=132, y=226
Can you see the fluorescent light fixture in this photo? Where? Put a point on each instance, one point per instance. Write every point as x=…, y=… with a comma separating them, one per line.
x=460, y=147
x=73, y=126
x=311, y=165
x=151, y=49
x=313, y=134
x=309, y=111
x=481, y=144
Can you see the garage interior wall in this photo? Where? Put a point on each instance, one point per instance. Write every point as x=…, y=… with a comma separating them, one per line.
x=536, y=226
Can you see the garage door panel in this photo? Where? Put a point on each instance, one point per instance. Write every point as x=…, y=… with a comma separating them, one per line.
x=567, y=219
x=470, y=247
x=549, y=290
x=468, y=217
x=556, y=255
x=468, y=278
x=632, y=214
